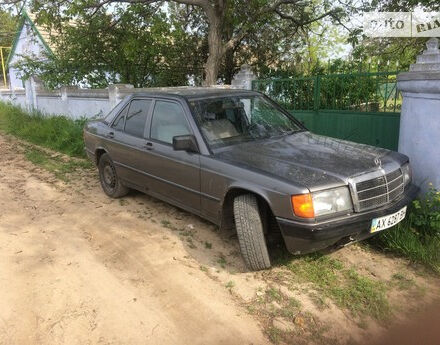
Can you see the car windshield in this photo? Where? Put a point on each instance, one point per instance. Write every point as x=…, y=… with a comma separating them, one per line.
x=233, y=119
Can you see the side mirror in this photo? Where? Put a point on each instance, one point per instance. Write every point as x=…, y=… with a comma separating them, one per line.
x=185, y=143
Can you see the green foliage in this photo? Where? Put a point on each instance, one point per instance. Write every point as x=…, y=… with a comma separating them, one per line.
x=425, y=216
x=145, y=43
x=352, y=91
x=55, y=132
x=418, y=235
x=134, y=44
x=8, y=24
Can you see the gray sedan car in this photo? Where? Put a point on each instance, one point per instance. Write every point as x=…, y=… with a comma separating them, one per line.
x=239, y=160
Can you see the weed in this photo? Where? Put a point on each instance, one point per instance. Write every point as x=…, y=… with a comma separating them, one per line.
x=203, y=268
x=208, y=245
x=273, y=294
x=165, y=223
x=274, y=335
x=230, y=284
x=222, y=261
x=318, y=300
x=123, y=202
x=191, y=243
x=402, y=282
x=291, y=308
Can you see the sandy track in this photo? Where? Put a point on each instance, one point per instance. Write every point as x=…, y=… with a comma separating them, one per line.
x=79, y=268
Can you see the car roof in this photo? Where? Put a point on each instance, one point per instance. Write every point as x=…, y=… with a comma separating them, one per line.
x=193, y=92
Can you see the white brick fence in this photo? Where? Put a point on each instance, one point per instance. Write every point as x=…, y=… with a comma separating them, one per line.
x=76, y=103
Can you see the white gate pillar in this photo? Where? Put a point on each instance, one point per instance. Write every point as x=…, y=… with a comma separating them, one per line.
x=420, y=116
x=243, y=79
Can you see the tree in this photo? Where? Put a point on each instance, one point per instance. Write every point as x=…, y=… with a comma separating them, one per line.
x=135, y=45
x=228, y=21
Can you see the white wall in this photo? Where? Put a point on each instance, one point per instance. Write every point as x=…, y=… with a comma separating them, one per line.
x=68, y=101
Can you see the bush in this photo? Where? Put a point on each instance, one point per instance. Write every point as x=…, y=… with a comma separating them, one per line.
x=55, y=132
x=418, y=236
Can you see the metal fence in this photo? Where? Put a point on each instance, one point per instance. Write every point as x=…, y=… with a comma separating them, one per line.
x=362, y=107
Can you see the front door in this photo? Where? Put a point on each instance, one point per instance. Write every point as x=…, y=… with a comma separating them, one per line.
x=176, y=174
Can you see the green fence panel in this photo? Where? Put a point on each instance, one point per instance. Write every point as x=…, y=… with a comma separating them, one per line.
x=360, y=107
x=376, y=129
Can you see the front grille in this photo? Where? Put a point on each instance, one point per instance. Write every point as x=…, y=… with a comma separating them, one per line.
x=379, y=190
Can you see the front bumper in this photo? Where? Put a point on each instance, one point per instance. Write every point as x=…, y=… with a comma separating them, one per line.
x=302, y=237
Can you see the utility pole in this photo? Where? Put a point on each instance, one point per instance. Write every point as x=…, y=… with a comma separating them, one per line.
x=3, y=65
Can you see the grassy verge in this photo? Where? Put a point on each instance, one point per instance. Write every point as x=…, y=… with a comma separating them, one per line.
x=418, y=236
x=59, y=165
x=344, y=286
x=58, y=133
x=326, y=281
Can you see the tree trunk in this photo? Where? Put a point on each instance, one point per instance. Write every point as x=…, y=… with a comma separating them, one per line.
x=229, y=66
x=216, y=48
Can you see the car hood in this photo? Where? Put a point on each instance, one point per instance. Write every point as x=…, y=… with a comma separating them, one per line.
x=308, y=159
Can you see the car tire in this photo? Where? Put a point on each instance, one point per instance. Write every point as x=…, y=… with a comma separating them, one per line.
x=110, y=182
x=249, y=225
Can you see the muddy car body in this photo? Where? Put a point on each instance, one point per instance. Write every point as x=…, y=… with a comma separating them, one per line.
x=236, y=158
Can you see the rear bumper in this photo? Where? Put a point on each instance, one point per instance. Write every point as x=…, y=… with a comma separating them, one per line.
x=302, y=237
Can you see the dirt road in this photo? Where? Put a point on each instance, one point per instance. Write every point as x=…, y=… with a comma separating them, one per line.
x=79, y=268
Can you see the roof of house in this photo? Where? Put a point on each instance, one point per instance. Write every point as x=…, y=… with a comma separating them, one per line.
x=40, y=31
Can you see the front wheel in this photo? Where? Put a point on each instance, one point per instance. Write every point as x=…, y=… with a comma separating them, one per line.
x=110, y=182
x=250, y=232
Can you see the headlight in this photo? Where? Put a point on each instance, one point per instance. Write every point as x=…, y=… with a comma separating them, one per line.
x=322, y=203
x=331, y=201
x=407, y=173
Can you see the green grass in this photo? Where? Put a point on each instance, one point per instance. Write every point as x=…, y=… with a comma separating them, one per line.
x=403, y=241
x=417, y=237
x=58, y=133
x=344, y=286
x=403, y=282
x=57, y=165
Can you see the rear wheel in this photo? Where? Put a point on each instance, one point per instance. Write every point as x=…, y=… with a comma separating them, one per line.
x=110, y=182
x=249, y=224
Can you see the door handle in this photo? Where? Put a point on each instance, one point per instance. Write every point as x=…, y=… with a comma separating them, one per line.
x=110, y=135
x=148, y=145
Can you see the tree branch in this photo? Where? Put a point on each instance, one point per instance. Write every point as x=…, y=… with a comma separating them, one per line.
x=299, y=23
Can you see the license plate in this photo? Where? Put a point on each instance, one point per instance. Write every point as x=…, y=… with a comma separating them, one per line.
x=382, y=223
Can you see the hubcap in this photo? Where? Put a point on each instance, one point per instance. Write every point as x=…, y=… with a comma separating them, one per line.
x=109, y=176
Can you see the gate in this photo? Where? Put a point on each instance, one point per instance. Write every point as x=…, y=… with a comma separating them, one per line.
x=363, y=107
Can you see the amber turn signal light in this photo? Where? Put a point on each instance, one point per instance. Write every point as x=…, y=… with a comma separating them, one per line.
x=303, y=206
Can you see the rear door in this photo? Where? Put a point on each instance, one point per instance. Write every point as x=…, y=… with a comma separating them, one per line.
x=128, y=145
x=176, y=173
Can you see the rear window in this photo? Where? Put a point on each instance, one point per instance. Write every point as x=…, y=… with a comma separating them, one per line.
x=137, y=117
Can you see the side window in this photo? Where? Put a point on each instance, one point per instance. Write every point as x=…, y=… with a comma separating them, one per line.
x=119, y=122
x=137, y=117
x=168, y=121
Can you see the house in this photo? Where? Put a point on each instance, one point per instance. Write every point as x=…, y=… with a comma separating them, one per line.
x=32, y=41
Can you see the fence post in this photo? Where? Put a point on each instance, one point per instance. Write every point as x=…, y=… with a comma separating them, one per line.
x=243, y=79
x=420, y=116
x=64, y=92
x=114, y=95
